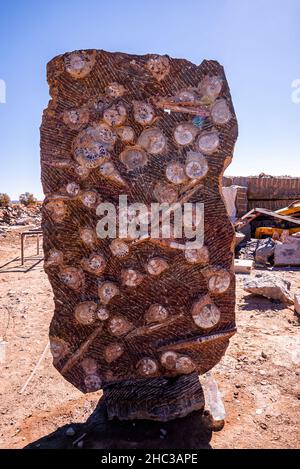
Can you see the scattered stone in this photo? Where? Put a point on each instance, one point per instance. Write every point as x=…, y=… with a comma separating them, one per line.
x=263, y=425
x=214, y=406
x=243, y=266
x=270, y=286
x=3, y=347
x=264, y=355
x=264, y=251
x=297, y=303
x=11, y=293
x=248, y=252
x=243, y=358
x=239, y=237
x=288, y=252
x=19, y=215
x=70, y=431
x=22, y=221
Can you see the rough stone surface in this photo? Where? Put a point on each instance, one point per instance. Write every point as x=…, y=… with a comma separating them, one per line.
x=265, y=250
x=157, y=129
x=236, y=201
x=297, y=303
x=288, y=253
x=243, y=266
x=155, y=398
x=239, y=237
x=18, y=214
x=270, y=286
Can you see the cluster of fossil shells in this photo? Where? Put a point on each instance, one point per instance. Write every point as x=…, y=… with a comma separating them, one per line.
x=116, y=138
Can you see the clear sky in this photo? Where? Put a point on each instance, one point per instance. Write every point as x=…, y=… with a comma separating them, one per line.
x=257, y=41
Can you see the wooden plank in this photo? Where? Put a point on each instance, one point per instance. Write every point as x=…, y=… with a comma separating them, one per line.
x=270, y=213
x=255, y=212
x=246, y=219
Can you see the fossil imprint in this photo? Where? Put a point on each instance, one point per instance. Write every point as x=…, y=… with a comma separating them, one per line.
x=135, y=317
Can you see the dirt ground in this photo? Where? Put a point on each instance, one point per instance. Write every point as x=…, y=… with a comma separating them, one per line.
x=258, y=377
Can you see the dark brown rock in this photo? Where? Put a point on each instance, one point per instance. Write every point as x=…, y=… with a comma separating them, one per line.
x=156, y=129
x=154, y=398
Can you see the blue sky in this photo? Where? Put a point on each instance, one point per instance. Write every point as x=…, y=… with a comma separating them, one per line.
x=257, y=41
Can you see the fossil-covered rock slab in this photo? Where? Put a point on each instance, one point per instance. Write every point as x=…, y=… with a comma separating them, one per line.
x=131, y=307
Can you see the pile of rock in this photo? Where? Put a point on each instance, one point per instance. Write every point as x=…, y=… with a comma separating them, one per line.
x=279, y=252
x=20, y=215
x=248, y=249
x=270, y=286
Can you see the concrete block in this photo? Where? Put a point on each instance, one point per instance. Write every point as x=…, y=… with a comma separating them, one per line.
x=297, y=303
x=288, y=253
x=243, y=266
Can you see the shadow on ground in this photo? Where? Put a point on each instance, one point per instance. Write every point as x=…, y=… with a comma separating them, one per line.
x=190, y=432
x=255, y=302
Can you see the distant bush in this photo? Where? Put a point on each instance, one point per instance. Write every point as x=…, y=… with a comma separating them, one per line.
x=27, y=199
x=4, y=200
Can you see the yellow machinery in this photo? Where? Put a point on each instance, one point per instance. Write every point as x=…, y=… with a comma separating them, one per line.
x=289, y=215
x=264, y=231
x=292, y=210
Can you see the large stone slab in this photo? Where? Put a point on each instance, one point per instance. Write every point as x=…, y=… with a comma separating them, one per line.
x=297, y=303
x=270, y=286
x=288, y=253
x=156, y=129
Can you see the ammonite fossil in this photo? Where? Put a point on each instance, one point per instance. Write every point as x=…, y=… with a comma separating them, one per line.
x=136, y=314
